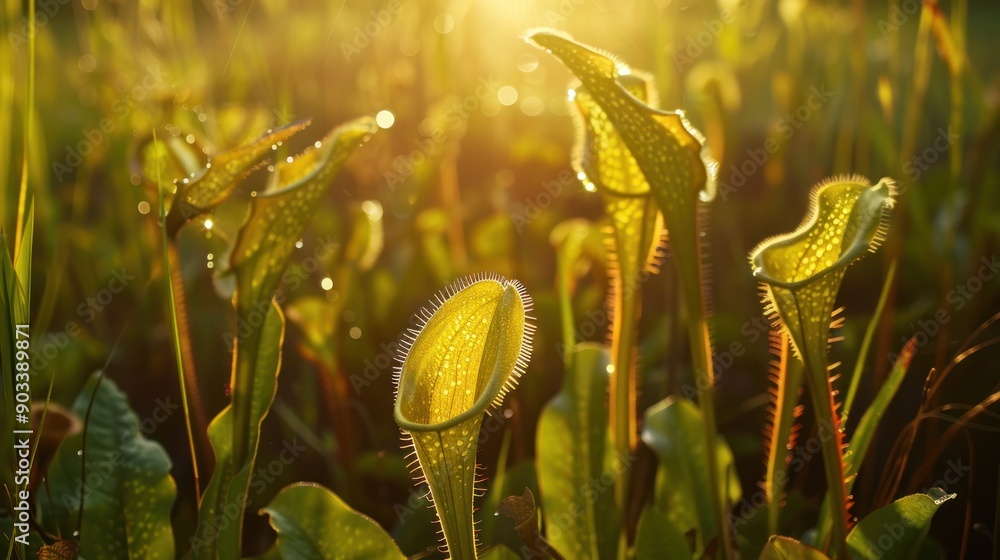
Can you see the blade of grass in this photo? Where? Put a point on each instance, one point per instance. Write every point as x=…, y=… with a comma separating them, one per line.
x=176, y=335
x=28, y=118
x=859, y=365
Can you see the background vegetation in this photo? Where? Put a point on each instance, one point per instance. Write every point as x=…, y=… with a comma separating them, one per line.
x=471, y=172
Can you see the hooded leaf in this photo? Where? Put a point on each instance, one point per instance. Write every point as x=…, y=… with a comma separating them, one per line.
x=603, y=162
x=265, y=243
x=467, y=353
x=671, y=157
x=202, y=183
x=800, y=274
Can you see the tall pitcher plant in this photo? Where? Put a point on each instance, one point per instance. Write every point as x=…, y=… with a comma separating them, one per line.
x=659, y=152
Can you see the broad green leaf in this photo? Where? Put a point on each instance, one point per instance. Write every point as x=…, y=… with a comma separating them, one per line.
x=863, y=434
x=573, y=449
x=314, y=524
x=468, y=352
x=896, y=531
x=784, y=548
x=200, y=189
x=220, y=514
x=129, y=493
x=672, y=429
x=657, y=538
x=800, y=274
x=276, y=221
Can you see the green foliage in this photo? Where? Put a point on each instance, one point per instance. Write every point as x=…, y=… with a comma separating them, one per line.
x=672, y=160
x=220, y=514
x=478, y=169
x=314, y=524
x=573, y=450
x=784, y=548
x=683, y=485
x=277, y=218
x=199, y=183
x=896, y=531
x=122, y=507
x=468, y=352
x=657, y=538
x=800, y=273
x=865, y=432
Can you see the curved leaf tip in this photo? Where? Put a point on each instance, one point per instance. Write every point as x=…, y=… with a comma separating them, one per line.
x=466, y=353
x=653, y=136
x=846, y=217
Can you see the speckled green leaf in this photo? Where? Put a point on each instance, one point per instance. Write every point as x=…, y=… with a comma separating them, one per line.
x=469, y=351
x=661, y=146
x=800, y=274
x=201, y=188
x=801, y=271
x=604, y=163
x=573, y=450
x=277, y=218
x=896, y=531
x=657, y=538
x=672, y=429
x=129, y=493
x=223, y=502
x=314, y=524
x=671, y=157
x=784, y=548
